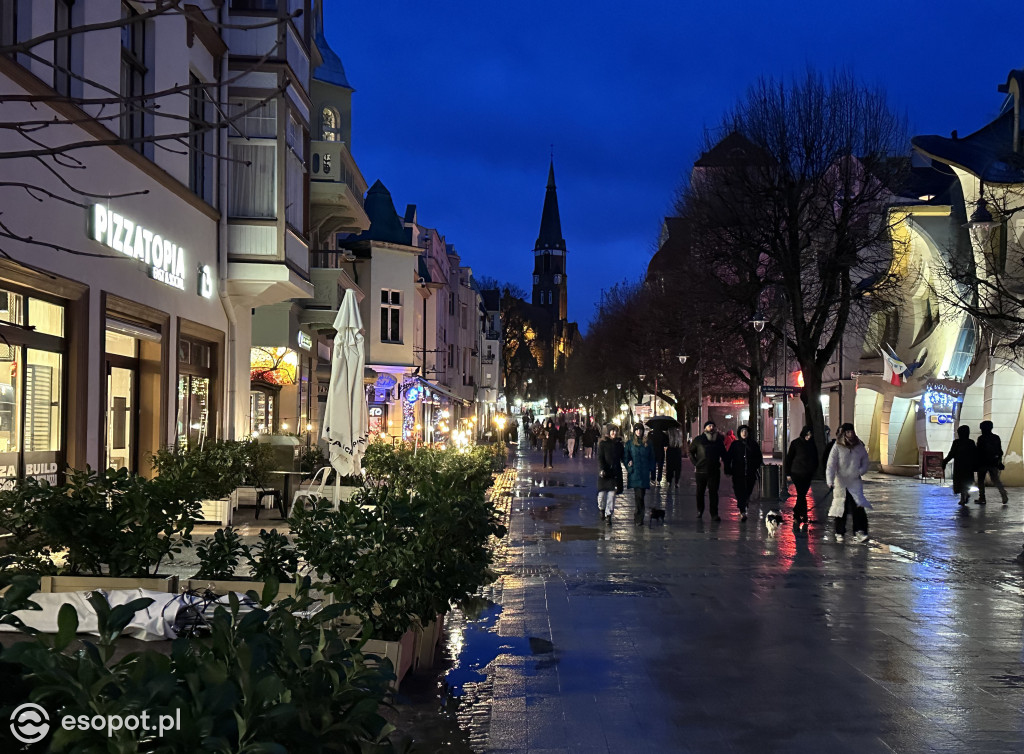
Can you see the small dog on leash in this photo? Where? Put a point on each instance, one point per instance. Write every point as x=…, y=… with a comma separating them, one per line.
x=657, y=514
x=773, y=521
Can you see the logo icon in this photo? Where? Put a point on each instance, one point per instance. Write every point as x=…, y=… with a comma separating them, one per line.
x=30, y=723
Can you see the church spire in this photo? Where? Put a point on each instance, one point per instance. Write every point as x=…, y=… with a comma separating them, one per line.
x=550, y=223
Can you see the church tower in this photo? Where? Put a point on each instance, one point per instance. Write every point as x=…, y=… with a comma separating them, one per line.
x=550, y=288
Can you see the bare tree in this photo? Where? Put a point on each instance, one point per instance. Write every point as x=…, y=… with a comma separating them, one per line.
x=53, y=128
x=808, y=204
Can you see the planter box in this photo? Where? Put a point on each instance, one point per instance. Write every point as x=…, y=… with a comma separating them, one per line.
x=51, y=584
x=216, y=511
x=401, y=653
x=427, y=639
x=223, y=587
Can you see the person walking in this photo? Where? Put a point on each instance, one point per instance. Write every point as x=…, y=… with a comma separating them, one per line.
x=549, y=438
x=964, y=455
x=802, y=462
x=674, y=457
x=572, y=439
x=590, y=437
x=729, y=439
x=743, y=462
x=639, y=460
x=990, y=462
x=609, y=472
x=847, y=464
x=536, y=435
x=706, y=453
x=658, y=441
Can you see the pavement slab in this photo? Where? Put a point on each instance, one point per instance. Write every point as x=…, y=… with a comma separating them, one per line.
x=696, y=636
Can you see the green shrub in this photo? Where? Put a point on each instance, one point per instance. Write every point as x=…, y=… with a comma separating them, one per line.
x=273, y=557
x=265, y=681
x=219, y=555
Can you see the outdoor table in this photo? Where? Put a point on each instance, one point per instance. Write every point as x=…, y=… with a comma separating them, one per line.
x=289, y=480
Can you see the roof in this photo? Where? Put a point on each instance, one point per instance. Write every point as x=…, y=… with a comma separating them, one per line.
x=385, y=224
x=735, y=150
x=550, y=223
x=987, y=153
x=492, y=299
x=332, y=71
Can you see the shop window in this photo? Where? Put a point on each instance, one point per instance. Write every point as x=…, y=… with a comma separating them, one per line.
x=45, y=317
x=31, y=391
x=194, y=421
x=261, y=410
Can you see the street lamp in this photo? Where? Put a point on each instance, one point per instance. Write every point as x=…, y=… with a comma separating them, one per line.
x=700, y=390
x=759, y=321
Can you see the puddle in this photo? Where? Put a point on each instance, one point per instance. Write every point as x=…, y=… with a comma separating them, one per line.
x=557, y=483
x=576, y=533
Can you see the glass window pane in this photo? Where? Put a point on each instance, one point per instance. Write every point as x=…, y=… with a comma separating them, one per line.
x=383, y=296
x=184, y=351
x=42, y=401
x=121, y=344
x=10, y=394
x=181, y=415
x=11, y=308
x=395, y=315
x=47, y=318
x=384, y=324
x=396, y=298
x=198, y=409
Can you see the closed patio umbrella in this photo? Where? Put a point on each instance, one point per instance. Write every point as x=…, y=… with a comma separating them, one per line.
x=346, y=422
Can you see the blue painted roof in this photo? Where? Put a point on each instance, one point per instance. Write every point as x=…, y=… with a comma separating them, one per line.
x=988, y=152
x=332, y=71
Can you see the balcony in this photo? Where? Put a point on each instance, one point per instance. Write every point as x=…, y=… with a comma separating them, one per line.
x=329, y=289
x=336, y=189
x=486, y=360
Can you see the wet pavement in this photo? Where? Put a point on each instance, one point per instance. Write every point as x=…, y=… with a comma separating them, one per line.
x=690, y=636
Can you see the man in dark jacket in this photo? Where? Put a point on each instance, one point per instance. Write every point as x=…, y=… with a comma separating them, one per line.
x=658, y=441
x=706, y=453
x=990, y=461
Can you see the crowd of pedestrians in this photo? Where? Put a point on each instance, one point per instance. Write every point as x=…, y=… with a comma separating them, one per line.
x=651, y=457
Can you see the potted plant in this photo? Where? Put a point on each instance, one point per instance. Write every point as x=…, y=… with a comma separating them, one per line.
x=102, y=525
x=209, y=472
x=273, y=558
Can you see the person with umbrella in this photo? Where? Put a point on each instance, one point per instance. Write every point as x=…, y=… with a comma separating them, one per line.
x=639, y=459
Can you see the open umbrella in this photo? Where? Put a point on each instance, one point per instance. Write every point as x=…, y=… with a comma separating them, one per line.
x=663, y=422
x=346, y=420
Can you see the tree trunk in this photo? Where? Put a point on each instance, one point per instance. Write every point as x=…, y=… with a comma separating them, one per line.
x=754, y=401
x=812, y=407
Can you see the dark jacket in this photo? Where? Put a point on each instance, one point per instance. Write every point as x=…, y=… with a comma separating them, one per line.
x=639, y=461
x=802, y=458
x=550, y=435
x=609, y=466
x=964, y=455
x=658, y=441
x=706, y=455
x=589, y=436
x=744, y=458
x=990, y=451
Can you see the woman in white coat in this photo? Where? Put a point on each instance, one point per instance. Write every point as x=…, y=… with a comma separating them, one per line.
x=847, y=463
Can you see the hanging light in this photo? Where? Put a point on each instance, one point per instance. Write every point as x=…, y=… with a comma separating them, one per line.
x=759, y=321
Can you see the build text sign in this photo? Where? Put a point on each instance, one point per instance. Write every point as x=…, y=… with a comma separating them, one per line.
x=164, y=258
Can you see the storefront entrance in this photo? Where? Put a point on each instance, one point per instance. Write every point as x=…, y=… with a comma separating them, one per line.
x=122, y=360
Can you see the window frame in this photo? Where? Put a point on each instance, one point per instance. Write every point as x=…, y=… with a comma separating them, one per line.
x=134, y=73
x=62, y=46
x=391, y=315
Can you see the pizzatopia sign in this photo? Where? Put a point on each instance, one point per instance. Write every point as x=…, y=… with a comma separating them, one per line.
x=165, y=259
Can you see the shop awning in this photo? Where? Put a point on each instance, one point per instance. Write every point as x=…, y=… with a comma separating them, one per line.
x=444, y=391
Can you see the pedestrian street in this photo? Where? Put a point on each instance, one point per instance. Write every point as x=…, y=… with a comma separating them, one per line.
x=694, y=636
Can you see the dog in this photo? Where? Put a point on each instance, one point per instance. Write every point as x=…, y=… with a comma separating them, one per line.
x=657, y=514
x=773, y=520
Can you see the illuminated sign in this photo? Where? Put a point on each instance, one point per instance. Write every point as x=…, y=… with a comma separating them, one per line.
x=165, y=259
x=940, y=418
x=205, y=281
x=276, y=366
x=941, y=399
x=305, y=342
x=376, y=411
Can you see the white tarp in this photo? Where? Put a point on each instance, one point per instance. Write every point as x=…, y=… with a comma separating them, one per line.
x=346, y=420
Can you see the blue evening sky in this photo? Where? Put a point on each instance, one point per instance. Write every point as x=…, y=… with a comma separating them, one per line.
x=457, y=102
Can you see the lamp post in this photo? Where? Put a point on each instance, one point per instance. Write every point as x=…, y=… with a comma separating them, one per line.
x=700, y=390
x=759, y=321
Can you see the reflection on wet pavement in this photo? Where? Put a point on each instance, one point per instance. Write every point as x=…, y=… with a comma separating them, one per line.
x=707, y=637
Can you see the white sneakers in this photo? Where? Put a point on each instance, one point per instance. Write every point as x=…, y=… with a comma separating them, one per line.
x=860, y=537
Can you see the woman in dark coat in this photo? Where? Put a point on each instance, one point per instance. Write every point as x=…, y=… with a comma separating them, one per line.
x=589, y=440
x=674, y=457
x=609, y=472
x=639, y=459
x=549, y=438
x=743, y=461
x=801, y=463
x=964, y=455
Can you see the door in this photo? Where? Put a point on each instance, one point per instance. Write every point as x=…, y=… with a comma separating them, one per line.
x=122, y=400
